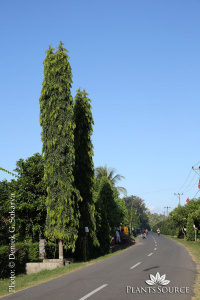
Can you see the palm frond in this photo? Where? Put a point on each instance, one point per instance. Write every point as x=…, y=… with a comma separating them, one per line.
x=122, y=190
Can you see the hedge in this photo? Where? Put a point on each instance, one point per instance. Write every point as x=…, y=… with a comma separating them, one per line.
x=23, y=253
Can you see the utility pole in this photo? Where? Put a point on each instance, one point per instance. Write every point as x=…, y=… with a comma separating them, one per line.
x=167, y=210
x=179, y=197
x=196, y=170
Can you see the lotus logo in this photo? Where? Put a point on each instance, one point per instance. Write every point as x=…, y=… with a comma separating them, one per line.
x=157, y=279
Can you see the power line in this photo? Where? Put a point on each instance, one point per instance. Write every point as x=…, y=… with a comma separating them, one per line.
x=188, y=175
x=167, y=210
x=189, y=183
x=191, y=187
x=196, y=169
x=156, y=191
x=197, y=163
x=179, y=197
x=186, y=179
x=195, y=194
x=185, y=190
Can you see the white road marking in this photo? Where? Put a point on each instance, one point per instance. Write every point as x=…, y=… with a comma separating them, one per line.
x=150, y=254
x=135, y=265
x=155, y=248
x=93, y=292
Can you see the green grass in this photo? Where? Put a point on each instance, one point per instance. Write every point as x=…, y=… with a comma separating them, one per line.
x=24, y=281
x=194, y=250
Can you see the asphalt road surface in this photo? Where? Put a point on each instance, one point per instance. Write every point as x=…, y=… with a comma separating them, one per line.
x=124, y=276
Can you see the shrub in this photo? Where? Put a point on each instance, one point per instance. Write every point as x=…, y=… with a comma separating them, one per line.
x=21, y=257
x=23, y=253
x=33, y=252
x=190, y=235
x=4, y=260
x=51, y=250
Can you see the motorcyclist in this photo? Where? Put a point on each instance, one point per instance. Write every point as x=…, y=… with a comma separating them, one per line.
x=158, y=231
x=143, y=233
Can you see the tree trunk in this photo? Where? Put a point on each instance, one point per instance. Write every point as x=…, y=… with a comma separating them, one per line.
x=60, y=244
x=183, y=232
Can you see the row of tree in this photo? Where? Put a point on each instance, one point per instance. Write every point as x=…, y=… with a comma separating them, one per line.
x=58, y=193
x=68, y=165
x=30, y=189
x=183, y=221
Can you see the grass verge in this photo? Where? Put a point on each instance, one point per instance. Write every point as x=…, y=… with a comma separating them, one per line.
x=25, y=281
x=194, y=250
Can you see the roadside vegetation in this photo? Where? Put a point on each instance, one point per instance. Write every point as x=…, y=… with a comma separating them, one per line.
x=183, y=226
x=58, y=195
x=194, y=250
x=61, y=197
x=25, y=281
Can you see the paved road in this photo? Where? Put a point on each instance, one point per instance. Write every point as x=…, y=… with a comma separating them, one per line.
x=124, y=276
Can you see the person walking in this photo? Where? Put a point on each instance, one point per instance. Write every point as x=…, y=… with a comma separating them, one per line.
x=117, y=237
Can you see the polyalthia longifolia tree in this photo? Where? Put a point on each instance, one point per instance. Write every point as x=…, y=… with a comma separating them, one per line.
x=106, y=211
x=56, y=119
x=84, y=167
x=190, y=235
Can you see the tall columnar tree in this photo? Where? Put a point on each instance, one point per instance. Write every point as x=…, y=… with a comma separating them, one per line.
x=190, y=235
x=113, y=179
x=104, y=206
x=84, y=167
x=109, y=214
x=56, y=119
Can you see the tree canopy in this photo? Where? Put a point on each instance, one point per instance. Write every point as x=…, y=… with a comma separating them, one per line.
x=84, y=166
x=56, y=119
x=110, y=174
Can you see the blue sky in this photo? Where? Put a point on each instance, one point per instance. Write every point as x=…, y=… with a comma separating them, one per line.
x=140, y=63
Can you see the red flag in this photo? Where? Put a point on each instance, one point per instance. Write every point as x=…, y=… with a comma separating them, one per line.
x=199, y=184
x=187, y=200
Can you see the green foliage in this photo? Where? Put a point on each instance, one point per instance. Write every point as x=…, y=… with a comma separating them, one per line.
x=106, y=222
x=4, y=261
x=51, y=250
x=10, y=173
x=166, y=227
x=30, y=195
x=133, y=221
x=113, y=179
x=111, y=212
x=134, y=202
x=56, y=119
x=154, y=218
x=21, y=258
x=84, y=167
x=33, y=252
x=4, y=211
x=121, y=215
x=180, y=216
x=193, y=208
x=137, y=204
x=190, y=235
x=144, y=220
